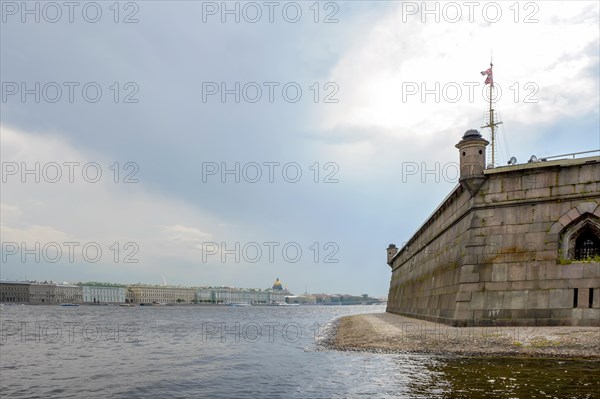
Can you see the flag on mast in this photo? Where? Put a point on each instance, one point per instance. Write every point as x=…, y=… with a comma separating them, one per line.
x=489, y=80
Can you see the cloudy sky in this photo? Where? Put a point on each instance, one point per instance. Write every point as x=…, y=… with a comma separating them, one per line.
x=216, y=143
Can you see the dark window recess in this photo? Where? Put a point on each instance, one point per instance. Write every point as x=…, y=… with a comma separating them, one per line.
x=587, y=245
x=575, y=297
x=591, y=296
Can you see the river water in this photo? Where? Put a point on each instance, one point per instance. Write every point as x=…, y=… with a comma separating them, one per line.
x=245, y=352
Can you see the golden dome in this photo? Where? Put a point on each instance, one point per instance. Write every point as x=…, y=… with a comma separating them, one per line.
x=277, y=285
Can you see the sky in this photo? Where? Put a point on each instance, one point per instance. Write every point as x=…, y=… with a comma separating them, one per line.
x=213, y=143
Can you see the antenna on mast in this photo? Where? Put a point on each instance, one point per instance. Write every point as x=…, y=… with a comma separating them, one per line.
x=491, y=123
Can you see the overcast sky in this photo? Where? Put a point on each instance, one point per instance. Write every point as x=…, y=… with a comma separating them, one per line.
x=281, y=139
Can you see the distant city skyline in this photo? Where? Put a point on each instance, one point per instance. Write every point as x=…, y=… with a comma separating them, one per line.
x=94, y=293
x=125, y=284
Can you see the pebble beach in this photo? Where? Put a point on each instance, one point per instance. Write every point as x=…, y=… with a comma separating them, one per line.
x=391, y=333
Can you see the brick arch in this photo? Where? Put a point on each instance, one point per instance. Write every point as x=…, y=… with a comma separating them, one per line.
x=568, y=227
x=575, y=213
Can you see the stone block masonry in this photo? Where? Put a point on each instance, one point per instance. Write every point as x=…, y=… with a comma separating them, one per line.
x=513, y=245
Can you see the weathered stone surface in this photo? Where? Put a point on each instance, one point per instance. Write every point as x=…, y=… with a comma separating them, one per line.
x=587, y=207
x=551, y=284
x=517, y=272
x=565, y=219
x=574, y=213
x=537, y=299
x=563, y=190
x=469, y=287
x=515, y=299
x=525, y=285
x=538, y=193
x=555, y=229
x=497, y=286
x=591, y=270
x=554, y=272
x=497, y=255
x=499, y=272
x=463, y=297
x=590, y=174
x=583, y=298
x=560, y=299
x=478, y=300
x=469, y=274
x=534, y=272
x=572, y=271
x=568, y=176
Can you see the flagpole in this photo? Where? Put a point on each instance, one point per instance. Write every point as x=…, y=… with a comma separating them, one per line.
x=492, y=118
x=491, y=123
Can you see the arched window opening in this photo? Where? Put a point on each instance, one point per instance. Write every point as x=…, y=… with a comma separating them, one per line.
x=587, y=245
x=580, y=240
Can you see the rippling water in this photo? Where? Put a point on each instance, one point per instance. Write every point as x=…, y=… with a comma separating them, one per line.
x=244, y=352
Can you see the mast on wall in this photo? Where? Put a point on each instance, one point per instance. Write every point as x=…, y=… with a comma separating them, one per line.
x=492, y=122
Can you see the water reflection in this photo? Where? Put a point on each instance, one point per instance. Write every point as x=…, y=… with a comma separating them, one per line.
x=508, y=378
x=218, y=352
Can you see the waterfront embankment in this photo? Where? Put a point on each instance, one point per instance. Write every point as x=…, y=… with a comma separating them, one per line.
x=391, y=333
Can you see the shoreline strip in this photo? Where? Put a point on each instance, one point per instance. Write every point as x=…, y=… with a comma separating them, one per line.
x=391, y=333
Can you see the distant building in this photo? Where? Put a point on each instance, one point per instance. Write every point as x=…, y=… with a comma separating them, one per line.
x=129, y=297
x=204, y=295
x=42, y=292
x=49, y=293
x=67, y=293
x=226, y=295
x=302, y=299
x=278, y=296
x=240, y=295
x=103, y=294
x=14, y=291
x=160, y=294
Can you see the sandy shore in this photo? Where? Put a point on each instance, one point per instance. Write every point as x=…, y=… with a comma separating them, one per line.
x=390, y=333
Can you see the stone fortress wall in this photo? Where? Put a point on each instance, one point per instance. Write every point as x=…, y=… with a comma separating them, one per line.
x=506, y=247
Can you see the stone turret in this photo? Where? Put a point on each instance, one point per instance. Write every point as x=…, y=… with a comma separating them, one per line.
x=472, y=160
x=391, y=251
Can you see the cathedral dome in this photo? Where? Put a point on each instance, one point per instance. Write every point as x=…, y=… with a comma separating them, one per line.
x=277, y=285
